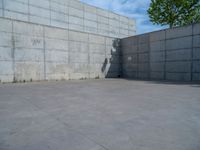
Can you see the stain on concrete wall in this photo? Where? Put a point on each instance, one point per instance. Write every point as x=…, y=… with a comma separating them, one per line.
x=31, y=52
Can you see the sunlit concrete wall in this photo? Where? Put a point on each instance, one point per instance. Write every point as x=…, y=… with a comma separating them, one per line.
x=69, y=14
x=32, y=52
x=171, y=54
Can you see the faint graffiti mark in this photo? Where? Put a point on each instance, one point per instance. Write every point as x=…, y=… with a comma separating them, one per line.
x=36, y=41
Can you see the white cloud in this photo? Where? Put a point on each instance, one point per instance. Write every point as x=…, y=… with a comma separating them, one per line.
x=136, y=9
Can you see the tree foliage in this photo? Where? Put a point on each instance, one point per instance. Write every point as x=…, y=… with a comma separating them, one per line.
x=174, y=12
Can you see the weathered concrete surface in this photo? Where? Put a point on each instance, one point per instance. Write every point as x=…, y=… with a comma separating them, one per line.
x=69, y=14
x=171, y=54
x=100, y=115
x=32, y=52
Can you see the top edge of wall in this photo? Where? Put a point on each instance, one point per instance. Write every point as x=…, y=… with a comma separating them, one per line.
x=49, y=26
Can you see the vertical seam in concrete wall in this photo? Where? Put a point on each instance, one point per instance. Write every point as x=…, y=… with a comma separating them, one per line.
x=192, y=48
x=13, y=54
x=50, y=10
x=28, y=11
x=105, y=71
x=3, y=8
x=137, y=73
x=165, y=56
x=149, y=51
x=68, y=53
x=89, y=61
x=44, y=47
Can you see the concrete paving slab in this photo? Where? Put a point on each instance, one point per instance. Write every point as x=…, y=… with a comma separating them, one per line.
x=112, y=114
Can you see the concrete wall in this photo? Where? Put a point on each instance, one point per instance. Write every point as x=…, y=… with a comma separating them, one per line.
x=31, y=52
x=69, y=14
x=171, y=54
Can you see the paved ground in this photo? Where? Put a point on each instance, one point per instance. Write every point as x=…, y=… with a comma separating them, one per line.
x=100, y=115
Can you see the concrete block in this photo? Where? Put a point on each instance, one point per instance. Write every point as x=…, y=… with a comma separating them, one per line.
x=76, y=4
x=143, y=58
x=80, y=67
x=132, y=22
x=196, y=77
x=78, y=47
x=1, y=4
x=143, y=67
x=55, y=44
x=102, y=20
x=132, y=32
x=144, y=47
x=157, y=75
x=113, y=16
x=6, y=78
x=130, y=74
x=89, y=23
x=179, y=67
x=157, y=56
x=97, y=58
x=157, y=46
x=15, y=15
x=196, y=67
x=27, y=29
x=97, y=48
x=56, y=33
x=143, y=75
x=75, y=12
x=6, y=68
x=124, y=19
x=6, y=54
x=129, y=67
x=76, y=20
x=76, y=57
x=144, y=38
x=40, y=12
x=76, y=27
x=114, y=23
x=179, y=43
x=196, y=41
x=130, y=58
x=80, y=76
x=104, y=27
x=179, y=32
x=101, y=12
x=60, y=24
x=96, y=39
x=196, y=53
x=184, y=54
x=62, y=2
x=91, y=9
x=29, y=71
x=57, y=56
x=5, y=25
x=22, y=41
x=178, y=76
x=36, y=19
x=157, y=36
x=57, y=70
x=59, y=16
x=57, y=7
x=29, y=55
x=157, y=67
x=39, y=3
x=196, y=28
x=15, y=6
x=78, y=36
x=123, y=26
x=90, y=16
x=5, y=39
x=90, y=29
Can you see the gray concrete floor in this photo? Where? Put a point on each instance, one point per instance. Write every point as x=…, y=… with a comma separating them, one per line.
x=100, y=115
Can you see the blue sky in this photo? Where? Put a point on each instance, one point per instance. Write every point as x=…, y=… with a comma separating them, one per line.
x=131, y=8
